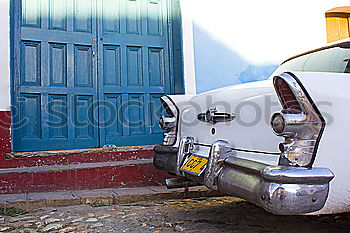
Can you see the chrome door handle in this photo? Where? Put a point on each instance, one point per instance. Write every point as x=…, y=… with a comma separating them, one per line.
x=213, y=117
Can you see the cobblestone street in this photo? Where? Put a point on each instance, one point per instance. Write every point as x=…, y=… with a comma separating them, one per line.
x=216, y=214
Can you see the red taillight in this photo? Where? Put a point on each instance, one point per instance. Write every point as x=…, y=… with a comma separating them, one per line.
x=286, y=95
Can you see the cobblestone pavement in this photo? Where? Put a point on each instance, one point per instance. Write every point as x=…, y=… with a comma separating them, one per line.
x=219, y=214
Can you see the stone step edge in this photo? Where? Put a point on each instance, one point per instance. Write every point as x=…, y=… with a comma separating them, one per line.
x=75, y=166
x=100, y=197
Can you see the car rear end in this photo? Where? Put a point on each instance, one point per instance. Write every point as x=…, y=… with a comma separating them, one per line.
x=226, y=139
x=210, y=145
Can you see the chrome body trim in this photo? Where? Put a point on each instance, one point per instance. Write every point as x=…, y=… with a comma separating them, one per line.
x=220, y=150
x=169, y=122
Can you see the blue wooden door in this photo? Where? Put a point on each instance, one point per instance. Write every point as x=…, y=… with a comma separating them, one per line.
x=56, y=75
x=88, y=72
x=133, y=69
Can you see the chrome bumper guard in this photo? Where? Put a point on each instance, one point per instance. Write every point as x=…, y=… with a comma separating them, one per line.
x=282, y=190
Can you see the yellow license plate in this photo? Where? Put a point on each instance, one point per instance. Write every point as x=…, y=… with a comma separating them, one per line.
x=195, y=165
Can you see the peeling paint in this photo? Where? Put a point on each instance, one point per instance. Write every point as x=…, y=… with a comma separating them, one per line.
x=32, y=154
x=5, y=132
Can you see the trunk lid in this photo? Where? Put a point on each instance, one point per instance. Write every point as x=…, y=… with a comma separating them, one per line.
x=252, y=104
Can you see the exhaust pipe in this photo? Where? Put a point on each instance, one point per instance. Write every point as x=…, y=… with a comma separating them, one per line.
x=180, y=182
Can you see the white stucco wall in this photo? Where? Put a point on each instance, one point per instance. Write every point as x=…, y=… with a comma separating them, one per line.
x=224, y=39
x=188, y=49
x=238, y=40
x=4, y=56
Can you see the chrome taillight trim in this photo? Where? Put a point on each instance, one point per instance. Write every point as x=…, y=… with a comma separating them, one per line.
x=167, y=122
x=303, y=130
x=170, y=123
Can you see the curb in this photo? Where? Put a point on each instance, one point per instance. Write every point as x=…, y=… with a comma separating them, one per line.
x=100, y=197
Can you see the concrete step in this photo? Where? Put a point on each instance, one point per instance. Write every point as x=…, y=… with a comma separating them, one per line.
x=79, y=170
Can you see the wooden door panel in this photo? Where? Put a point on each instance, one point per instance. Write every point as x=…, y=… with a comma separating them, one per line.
x=136, y=47
x=57, y=83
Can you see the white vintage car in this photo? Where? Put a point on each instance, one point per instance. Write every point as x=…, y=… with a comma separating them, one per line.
x=281, y=143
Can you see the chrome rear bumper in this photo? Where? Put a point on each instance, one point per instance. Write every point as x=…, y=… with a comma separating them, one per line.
x=281, y=190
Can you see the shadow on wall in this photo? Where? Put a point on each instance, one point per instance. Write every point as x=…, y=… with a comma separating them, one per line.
x=256, y=73
x=218, y=66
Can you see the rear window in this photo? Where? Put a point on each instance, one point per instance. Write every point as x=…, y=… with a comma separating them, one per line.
x=334, y=60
